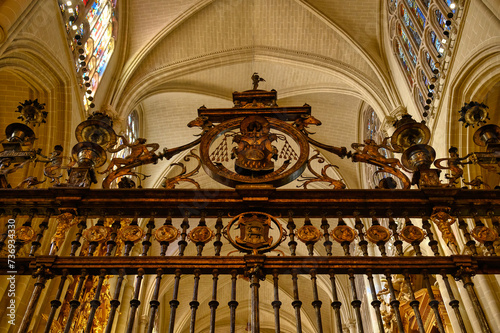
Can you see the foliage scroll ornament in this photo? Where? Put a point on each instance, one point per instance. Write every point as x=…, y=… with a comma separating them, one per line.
x=184, y=176
x=323, y=176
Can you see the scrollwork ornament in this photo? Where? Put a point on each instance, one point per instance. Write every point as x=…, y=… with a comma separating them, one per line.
x=201, y=234
x=166, y=233
x=378, y=233
x=484, y=234
x=308, y=234
x=411, y=234
x=343, y=233
x=131, y=233
x=25, y=234
x=184, y=176
x=323, y=177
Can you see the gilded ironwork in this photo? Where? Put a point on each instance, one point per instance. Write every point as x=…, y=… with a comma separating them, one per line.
x=454, y=165
x=32, y=112
x=97, y=233
x=24, y=234
x=29, y=182
x=64, y=222
x=473, y=113
x=254, y=152
x=139, y=154
x=202, y=122
x=343, y=233
x=369, y=152
x=54, y=164
x=131, y=233
x=303, y=122
x=378, y=233
x=323, y=176
x=184, y=176
x=484, y=234
x=411, y=234
x=166, y=233
x=308, y=234
x=444, y=220
x=98, y=129
x=409, y=133
x=201, y=234
x=255, y=80
x=254, y=232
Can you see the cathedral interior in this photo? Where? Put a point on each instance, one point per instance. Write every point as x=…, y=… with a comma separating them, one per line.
x=250, y=166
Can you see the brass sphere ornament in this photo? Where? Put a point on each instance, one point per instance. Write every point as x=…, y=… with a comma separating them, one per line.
x=98, y=128
x=418, y=157
x=408, y=133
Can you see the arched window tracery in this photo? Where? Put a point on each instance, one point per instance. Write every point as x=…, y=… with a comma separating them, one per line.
x=421, y=55
x=91, y=29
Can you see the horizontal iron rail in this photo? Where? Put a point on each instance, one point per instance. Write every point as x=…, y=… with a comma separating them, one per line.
x=284, y=265
x=315, y=203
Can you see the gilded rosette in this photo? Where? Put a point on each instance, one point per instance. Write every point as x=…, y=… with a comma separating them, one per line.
x=484, y=234
x=200, y=234
x=343, y=233
x=24, y=234
x=131, y=233
x=411, y=234
x=308, y=234
x=378, y=233
x=97, y=233
x=166, y=233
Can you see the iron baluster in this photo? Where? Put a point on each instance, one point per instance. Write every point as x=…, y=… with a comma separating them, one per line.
x=134, y=303
x=154, y=304
x=115, y=301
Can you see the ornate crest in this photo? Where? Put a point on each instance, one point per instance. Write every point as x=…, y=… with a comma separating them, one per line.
x=254, y=230
x=254, y=151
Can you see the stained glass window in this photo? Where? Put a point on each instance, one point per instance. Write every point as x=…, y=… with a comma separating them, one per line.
x=92, y=29
x=404, y=63
x=435, y=41
x=408, y=46
x=440, y=19
x=426, y=81
x=411, y=27
x=426, y=3
x=418, y=12
x=430, y=61
x=421, y=98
